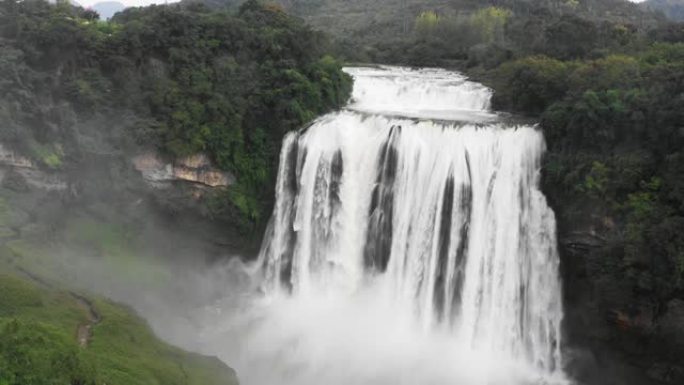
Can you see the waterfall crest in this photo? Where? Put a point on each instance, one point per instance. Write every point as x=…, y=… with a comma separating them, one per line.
x=418, y=198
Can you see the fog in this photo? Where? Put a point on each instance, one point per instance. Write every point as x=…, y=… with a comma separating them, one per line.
x=335, y=337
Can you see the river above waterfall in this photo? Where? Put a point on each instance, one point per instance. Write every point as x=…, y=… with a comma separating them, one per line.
x=419, y=93
x=409, y=244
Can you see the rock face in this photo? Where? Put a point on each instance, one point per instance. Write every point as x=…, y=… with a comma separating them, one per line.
x=9, y=157
x=196, y=169
x=14, y=167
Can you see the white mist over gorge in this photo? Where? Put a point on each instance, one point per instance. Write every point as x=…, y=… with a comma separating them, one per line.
x=410, y=249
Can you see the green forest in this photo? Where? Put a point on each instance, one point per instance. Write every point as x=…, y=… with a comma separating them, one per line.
x=614, y=129
x=186, y=79
x=603, y=79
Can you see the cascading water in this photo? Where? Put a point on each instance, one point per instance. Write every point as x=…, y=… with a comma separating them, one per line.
x=409, y=244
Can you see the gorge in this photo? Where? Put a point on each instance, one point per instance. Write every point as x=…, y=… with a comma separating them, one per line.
x=207, y=176
x=409, y=244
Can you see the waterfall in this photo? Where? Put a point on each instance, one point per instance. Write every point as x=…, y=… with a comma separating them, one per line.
x=413, y=215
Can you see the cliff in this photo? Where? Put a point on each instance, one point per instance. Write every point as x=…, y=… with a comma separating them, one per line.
x=616, y=332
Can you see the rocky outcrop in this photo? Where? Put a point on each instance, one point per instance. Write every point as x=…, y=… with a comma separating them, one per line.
x=190, y=188
x=196, y=169
x=20, y=172
x=10, y=158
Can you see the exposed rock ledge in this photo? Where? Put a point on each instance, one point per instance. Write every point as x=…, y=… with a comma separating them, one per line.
x=196, y=169
x=21, y=170
x=10, y=158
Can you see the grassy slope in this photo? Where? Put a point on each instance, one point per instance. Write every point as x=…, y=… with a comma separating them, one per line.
x=40, y=315
x=38, y=327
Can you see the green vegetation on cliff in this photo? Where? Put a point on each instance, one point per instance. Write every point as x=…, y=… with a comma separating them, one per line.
x=462, y=31
x=181, y=79
x=50, y=336
x=614, y=130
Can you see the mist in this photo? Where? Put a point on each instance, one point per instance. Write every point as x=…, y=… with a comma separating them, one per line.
x=334, y=337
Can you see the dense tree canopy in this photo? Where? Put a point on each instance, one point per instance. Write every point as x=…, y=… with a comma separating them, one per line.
x=182, y=79
x=614, y=126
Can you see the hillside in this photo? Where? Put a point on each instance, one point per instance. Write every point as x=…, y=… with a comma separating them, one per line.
x=211, y=90
x=375, y=21
x=673, y=9
x=51, y=334
x=388, y=31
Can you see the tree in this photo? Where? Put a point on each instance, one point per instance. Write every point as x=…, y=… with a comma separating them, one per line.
x=426, y=23
x=571, y=37
x=490, y=22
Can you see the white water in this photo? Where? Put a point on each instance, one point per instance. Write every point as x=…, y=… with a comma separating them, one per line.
x=404, y=251
x=431, y=93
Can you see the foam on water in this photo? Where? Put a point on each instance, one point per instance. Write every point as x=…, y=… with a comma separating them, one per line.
x=404, y=251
